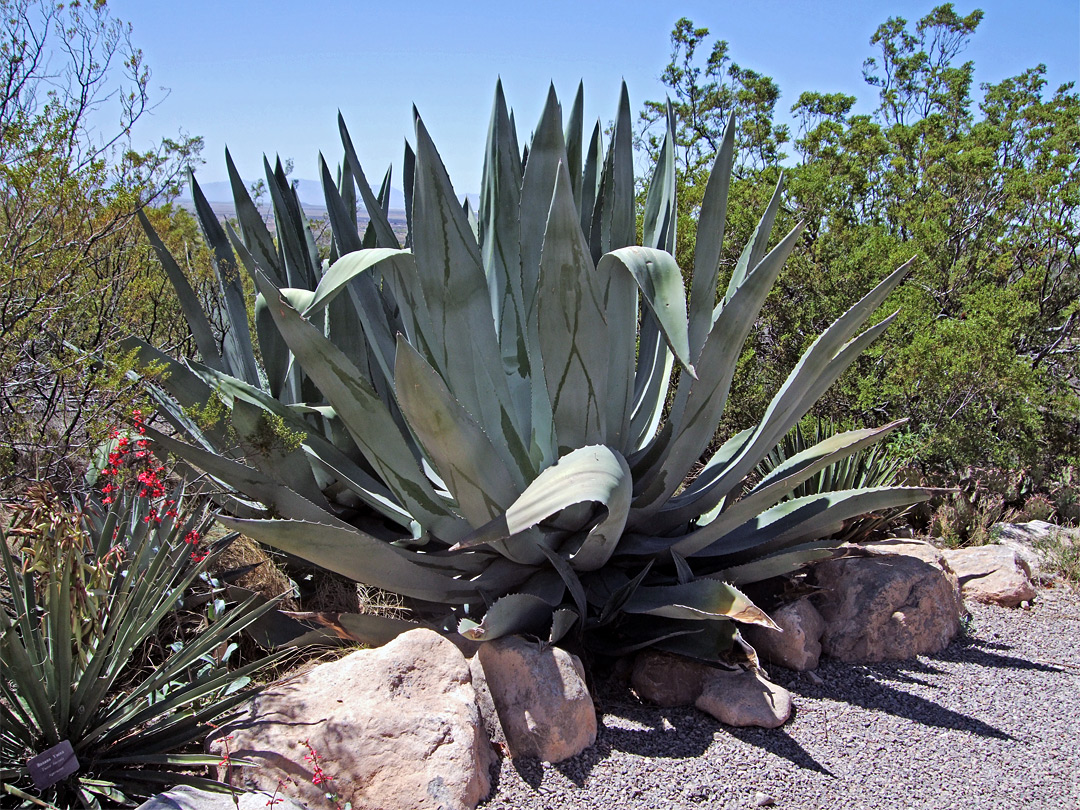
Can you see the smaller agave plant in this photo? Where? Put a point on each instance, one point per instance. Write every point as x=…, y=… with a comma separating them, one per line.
x=477, y=419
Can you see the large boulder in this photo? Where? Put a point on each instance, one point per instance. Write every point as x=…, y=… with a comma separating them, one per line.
x=543, y=706
x=184, y=797
x=797, y=644
x=880, y=605
x=744, y=698
x=993, y=575
x=392, y=727
x=1026, y=538
x=666, y=679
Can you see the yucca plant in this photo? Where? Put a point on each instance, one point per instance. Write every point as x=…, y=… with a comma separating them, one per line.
x=867, y=468
x=83, y=592
x=477, y=420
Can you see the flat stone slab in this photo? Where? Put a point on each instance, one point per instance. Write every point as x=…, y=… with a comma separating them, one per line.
x=184, y=797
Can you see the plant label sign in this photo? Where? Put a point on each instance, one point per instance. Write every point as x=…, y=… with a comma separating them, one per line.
x=49, y=767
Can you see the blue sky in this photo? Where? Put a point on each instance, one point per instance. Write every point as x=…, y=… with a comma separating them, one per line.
x=270, y=76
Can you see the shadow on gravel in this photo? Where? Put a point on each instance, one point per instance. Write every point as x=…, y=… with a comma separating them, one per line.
x=976, y=651
x=863, y=685
x=777, y=741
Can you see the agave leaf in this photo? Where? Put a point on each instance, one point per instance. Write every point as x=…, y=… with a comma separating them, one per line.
x=342, y=223
x=573, y=135
x=778, y=484
x=364, y=414
x=573, y=332
x=801, y=519
x=755, y=248
x=590, y=178
x=588, y=474
x=482, y=480
x=699, y=404
x=352, y=553
x=196, y=319
x=617, y=221
x=709, y=242
x=700, y=599
x=291, y=242
x=463, y=341
x=278, y=498
x=500, y=245
x=562, y=622
x=257, y=237
x=384, y=232
x=238, y=357
x=659, y=219
x=570, y=578
x=780, y=564
x=712, y=643
x=515, y=613
x=364, y=628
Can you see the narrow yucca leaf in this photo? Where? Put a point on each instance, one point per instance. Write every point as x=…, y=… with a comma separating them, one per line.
x=703, y=599
x=196, y=319
x=709, y=242
x=483, y=480
x=572, y=328
x=384, y=232
x=515, y=613
x=257, y=237
x=352, y=553
x=361, y=410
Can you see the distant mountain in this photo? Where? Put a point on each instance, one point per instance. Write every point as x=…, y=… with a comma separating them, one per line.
x=309, y=191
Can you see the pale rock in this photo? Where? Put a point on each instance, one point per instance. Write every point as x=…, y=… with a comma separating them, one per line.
x=797, y=644
x=927, y=552
x=394, y=727
x=185, y=797
x=886, y=606
x=666, y=679
x=744, y=698
x=1022, y=537
x=993, y=575
x=540, y=697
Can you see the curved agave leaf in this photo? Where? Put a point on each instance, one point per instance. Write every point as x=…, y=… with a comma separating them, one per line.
x=513, y=614
x=802, y=519
x=352, y=553
x=589, y=474
x=257, y=238
x=779, y=564
x=697, y=600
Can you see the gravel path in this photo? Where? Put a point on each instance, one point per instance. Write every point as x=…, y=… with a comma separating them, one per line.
x=991, y=722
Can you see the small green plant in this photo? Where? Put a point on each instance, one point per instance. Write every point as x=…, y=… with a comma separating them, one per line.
x=86, y=591
x=1061, y=554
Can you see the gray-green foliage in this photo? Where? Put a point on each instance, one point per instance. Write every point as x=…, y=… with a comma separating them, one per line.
x=483, y=412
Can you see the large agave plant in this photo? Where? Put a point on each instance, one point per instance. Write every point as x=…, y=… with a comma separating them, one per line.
x=477, y=420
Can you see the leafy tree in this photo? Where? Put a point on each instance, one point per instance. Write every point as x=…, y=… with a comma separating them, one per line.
x=74, y=273
x=984, y=355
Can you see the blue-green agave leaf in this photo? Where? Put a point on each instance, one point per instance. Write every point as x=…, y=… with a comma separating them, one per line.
x=514, y=614
x=701, y=599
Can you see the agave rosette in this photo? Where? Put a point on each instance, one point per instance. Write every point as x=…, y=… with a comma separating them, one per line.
x=476, y=420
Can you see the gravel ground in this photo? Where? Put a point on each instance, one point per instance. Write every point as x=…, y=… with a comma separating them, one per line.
x=991, y=722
